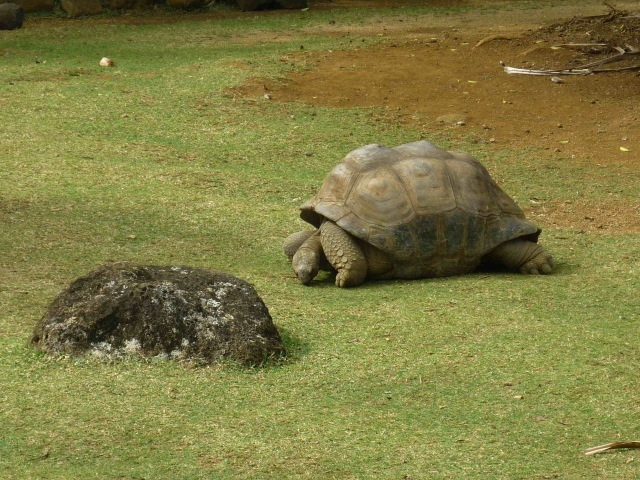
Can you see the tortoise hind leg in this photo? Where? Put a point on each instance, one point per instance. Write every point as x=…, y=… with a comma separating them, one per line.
x=379, y=265
x=344, y=253
x=522, y=255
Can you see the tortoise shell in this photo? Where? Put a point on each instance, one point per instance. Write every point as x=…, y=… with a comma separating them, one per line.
x=433, y=212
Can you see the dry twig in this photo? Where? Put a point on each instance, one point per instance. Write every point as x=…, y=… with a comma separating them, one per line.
x=580, y=45
x=531, y=71
x=613, y=13
x=582, y=69
x=497, y=36
x=621, y=69
x=622, y=52
x=609, y=446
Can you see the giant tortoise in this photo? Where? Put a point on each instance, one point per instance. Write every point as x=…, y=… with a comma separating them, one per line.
x=412, y=211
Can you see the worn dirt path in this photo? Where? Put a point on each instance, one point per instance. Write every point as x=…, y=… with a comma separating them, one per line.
x=421, y=71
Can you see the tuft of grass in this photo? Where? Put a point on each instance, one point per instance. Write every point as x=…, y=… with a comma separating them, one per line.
x=480, y=376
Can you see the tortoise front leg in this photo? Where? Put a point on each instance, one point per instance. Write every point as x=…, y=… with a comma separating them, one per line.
x=344, y=253
x=523, y=255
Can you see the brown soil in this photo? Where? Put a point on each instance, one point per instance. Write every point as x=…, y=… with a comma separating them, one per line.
x=419, y=73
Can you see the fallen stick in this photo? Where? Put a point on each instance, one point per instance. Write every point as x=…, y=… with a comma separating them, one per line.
x=585, y=69
x=498, y=36
x=533, y=49
x=580, y=45
x=530, y=71
x=609, y=446
x=614, y=58
x=621, y=69
x=574, y=71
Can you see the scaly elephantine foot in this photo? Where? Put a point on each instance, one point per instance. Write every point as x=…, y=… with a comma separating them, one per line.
x=522, y=255
x=541, y=263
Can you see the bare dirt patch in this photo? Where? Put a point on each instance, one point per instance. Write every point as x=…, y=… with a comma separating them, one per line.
x=439, y=79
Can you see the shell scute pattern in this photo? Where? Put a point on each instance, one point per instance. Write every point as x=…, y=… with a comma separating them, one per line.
x=379, y=197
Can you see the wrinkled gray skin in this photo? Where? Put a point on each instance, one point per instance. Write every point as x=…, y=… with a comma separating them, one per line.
x=333, y=248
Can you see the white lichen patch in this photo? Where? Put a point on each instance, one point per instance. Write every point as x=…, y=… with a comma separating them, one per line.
x=180, y=270
x=103, y=350
x=210, y=304
x=106, y=350
x=223, y=289
x=132, y=346
x=99, y=354
x=200, y=320
x=170, y=297
x=177, y=354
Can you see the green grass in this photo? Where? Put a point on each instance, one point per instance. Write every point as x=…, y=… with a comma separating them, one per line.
x=487, y=376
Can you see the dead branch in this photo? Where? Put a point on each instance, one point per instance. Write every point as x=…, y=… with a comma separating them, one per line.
x=609, y=446
x=613, y=13
x=533, y=49
x=621, y=69
x=498, y=36
x=585, y=69
x=530, y=71
x=580, y=45
x=602, y=61
x=623, y=52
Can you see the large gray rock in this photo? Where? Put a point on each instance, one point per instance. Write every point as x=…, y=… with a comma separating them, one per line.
x=77, y=8
x=187, y=4
x=181, y=312
x=38, y=5
x=11, y=16
x=120, y=4
x=33, y=5
x=264, y=4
